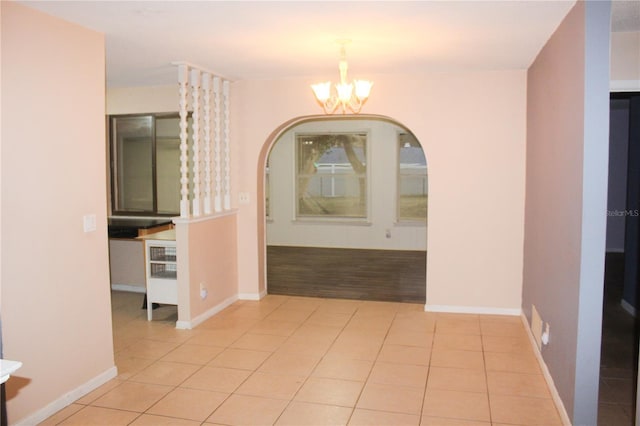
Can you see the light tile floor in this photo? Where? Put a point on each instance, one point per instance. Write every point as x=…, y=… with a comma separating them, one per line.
x=306, y=361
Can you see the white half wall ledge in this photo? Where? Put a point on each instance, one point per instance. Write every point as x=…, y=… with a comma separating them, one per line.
x=188, y=325
x=624, y=85
x=68, y=398
x=473, y=310
x=547, y=375
x=203, y=218
x=128, y=288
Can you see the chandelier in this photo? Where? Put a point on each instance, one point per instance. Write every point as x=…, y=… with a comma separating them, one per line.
x=346, y=95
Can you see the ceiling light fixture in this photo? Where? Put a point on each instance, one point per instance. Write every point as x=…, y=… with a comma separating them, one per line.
x=344, y=94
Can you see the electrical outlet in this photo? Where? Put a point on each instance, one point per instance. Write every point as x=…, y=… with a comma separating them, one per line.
x=203, y=291
x=545, y=335
x=89, y=222
x=243, y=198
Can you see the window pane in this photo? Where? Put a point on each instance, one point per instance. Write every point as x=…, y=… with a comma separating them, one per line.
x=134, y=173
x=332, y=175
x=412, y=199
x=168, y=164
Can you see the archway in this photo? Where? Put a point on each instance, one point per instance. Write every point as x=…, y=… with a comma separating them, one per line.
x=346, y=209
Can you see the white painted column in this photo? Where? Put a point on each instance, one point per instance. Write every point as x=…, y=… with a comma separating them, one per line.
x=227, y=161
x=206, y=87
x=216, y=147
x=183, y=79
x=206, y=180
x=195, y=95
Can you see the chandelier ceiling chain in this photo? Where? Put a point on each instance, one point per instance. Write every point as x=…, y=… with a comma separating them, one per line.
x=344, y=95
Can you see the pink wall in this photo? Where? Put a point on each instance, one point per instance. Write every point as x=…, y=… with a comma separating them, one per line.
x=207, y=255
x=56, y=315
x=554, y=191
x=472, y=127
x=566, y=200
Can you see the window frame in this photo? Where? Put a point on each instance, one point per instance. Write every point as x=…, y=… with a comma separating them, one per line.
x=113, y=170
x=399, y=219
x=309, y=218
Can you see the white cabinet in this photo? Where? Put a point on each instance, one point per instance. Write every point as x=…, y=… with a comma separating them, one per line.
x=162, y=272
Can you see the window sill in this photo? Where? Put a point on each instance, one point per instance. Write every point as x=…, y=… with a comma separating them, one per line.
x=332, y=221
x=411, y=223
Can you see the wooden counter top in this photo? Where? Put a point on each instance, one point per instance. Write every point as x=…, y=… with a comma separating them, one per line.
x=168, y=235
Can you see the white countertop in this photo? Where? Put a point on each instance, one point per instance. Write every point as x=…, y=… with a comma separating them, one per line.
x=7, y=367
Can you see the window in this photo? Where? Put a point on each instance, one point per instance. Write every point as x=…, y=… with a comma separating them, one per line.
x=331, y=175
x=145, y=164
x=412, y=181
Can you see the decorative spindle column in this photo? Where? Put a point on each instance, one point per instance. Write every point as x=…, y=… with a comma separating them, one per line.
x=205, y=183
x=183, y=77
x=195, y=136
x=216, y=147
x=227, y=161
x=206, y=87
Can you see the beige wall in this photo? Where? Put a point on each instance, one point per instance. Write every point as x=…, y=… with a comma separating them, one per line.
x=55, y=308
x=126, y=264
x=625, y=60
x=206, y=259
x=566, y=201
x=138, y=100
x=472, y=128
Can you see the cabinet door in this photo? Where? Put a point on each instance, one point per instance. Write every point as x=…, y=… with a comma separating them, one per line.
x=162, y=291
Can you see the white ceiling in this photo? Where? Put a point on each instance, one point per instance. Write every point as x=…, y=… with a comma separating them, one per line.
x=272, y=40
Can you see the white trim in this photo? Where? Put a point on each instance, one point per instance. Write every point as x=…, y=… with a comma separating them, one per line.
x=473, y=310
x=201, y=68
x=252, y=296
x=129, y=288
x=628, y=307
x=177, y=220
x=624, y=85
x=547, y=375
x=68, y=398
x=188, y=325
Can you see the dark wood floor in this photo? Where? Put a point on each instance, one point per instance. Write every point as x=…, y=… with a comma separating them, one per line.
x=619, y=354
x=383, y=275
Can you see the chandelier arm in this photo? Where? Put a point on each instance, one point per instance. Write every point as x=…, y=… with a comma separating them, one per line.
x=331, y=104
x=355, y=104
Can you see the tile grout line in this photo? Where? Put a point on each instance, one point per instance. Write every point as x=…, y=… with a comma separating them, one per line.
x=486, y=376
x=253, y=371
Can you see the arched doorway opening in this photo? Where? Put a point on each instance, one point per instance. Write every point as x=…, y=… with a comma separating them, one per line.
x=344, y=210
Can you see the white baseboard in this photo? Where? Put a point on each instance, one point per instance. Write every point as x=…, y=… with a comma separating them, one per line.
x=547, y=375
x=472, y=310
x=129, y=288
x=68, y=398
x=252, y=296
x=628, y=307
x=188, y=325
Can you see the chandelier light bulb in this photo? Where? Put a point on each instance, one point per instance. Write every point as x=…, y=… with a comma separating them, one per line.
x=322, y=91
x=363, y=88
